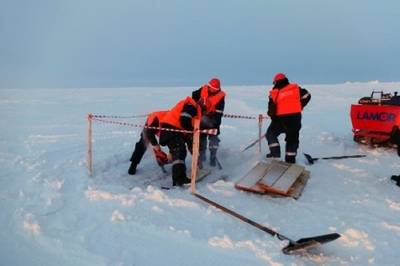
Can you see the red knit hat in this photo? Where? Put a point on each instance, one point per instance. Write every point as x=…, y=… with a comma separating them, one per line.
x=214, y=84
x=278, y=77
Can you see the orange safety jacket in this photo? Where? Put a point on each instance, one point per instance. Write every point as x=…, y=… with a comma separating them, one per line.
x=210, y=101
x=173, y=116
x=153, y=116
x=287, y=99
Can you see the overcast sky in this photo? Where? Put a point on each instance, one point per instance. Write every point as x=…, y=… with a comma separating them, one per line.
x=100, y=43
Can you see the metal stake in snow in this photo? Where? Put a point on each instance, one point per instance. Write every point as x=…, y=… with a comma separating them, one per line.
x=89, y=142
x=302, y=244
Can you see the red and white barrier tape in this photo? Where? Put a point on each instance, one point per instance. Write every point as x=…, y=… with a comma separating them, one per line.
x=212, y=131
x=119, y=116
x=244, y=116
x=145, y=115
x=239, y=116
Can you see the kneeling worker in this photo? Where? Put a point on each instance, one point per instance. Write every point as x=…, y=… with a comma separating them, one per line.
x=149, y=135
x=180, y=117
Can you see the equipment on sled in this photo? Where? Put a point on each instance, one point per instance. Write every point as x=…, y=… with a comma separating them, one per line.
x=376, y=118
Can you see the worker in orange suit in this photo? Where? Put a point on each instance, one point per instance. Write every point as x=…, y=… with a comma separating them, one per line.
x=286, y=102
x=211, y=99
x=180, y=117
x=149, y=135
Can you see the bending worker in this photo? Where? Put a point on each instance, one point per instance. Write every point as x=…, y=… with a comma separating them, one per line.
x=148, y=135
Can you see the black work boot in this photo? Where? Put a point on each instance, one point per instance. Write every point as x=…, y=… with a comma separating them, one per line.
x=132, y=169
x=213, y=157
x=180, y=183
x=186, y=181
x=396, y=178
x=290, y=158
x=179, y=175
x=275, y=152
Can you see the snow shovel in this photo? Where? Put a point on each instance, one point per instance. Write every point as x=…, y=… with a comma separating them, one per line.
x=311, y=159
x=300, y=245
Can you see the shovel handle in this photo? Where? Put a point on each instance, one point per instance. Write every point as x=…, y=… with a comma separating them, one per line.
x=344, y=157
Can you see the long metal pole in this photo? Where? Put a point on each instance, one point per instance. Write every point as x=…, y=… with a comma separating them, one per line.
x=244, y=219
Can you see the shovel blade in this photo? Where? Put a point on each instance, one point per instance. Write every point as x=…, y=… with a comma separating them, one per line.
x=299, y=247
x=305, y=244
x=309, y=158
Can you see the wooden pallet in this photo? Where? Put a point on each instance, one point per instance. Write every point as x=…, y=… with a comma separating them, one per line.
x=276, y=178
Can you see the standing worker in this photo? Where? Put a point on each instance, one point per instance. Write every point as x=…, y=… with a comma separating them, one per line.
x=148, y=135
x=286, y=101
x=180, y=117
x=211, y=99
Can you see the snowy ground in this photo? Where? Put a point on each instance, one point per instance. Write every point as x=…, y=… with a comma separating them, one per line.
x=52, y=213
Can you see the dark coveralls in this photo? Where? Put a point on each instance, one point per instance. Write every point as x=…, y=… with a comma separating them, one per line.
x=176, y=142
x=395, y=139
x=209, y=120
x=147, y=135
x=290, y=124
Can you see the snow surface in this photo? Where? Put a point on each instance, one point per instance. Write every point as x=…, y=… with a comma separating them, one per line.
x=53, y=213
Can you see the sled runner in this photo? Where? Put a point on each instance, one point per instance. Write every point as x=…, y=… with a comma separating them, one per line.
x=276, y=178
